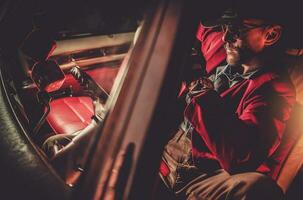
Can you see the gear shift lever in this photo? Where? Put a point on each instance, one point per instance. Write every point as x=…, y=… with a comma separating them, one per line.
x=92, y=88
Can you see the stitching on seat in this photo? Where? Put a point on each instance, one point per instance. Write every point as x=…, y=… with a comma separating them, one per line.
x=51, y=125
x=75, y=111
x=84, y=103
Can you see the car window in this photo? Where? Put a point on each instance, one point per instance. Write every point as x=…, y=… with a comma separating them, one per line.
x=72, y=75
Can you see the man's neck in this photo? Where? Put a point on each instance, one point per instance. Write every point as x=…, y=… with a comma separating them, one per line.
x=252, y=65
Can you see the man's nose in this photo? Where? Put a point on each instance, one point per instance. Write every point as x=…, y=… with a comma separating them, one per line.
x=228, y=36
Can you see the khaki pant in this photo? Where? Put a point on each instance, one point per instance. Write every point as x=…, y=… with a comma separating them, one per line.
x=186, y=181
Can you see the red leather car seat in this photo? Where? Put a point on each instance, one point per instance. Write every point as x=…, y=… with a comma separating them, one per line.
x=71, y=114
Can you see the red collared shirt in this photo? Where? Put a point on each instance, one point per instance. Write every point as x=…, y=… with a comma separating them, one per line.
x=243, y=126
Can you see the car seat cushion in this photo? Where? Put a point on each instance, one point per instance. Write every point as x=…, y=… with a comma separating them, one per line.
x=70, y=114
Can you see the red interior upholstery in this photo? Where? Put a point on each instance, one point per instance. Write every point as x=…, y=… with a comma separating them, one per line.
x=72, y=114
x=104, y=76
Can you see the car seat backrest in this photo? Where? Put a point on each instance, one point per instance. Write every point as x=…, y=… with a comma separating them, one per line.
x=295, y=66
x=47, y=75
x=293, y=143
x=294, y=133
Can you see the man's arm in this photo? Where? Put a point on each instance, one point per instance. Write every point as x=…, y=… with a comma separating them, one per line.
x=242, y=141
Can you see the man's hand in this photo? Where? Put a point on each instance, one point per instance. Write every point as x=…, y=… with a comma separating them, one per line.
x=202, y=85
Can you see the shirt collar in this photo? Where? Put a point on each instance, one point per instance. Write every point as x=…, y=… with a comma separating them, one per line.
x=233, y=72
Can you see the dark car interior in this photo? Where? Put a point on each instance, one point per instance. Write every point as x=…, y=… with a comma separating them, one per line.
x=59, y=65
x=70, y=110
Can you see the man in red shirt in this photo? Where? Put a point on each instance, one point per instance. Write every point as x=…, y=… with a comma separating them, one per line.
x=229, y=144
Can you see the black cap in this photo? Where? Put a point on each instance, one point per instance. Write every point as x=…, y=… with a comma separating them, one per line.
x=276, y=12
x=229, y=16
x=285, y=13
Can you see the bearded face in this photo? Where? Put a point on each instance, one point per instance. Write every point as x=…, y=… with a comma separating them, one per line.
x=243, y=43
x=237, y=55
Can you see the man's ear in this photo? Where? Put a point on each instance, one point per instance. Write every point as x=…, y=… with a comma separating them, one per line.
x=272, y=34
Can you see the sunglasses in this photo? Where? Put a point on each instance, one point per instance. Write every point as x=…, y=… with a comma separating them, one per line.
x=237, y=30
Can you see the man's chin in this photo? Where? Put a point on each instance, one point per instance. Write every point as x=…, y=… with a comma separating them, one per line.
x=232, y=60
